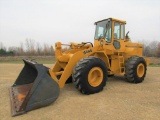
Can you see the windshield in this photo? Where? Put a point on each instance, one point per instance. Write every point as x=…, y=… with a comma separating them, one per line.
x=103, y=30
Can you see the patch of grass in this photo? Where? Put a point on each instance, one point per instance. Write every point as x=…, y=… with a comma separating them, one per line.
x=11, y=62
x=154, y=60
x=21, y=62
x=18, y=59
x=154, y=65
x=46, y=61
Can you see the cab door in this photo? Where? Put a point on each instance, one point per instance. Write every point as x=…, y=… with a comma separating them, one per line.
x=118, y=35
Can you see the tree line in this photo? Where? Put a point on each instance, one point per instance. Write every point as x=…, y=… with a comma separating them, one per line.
x=151, y=49
x=29, y=48
x=32, y=48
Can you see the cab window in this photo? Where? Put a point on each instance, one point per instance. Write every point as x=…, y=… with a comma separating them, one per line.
x=122, y=31
x=108, y=32
x=100, y=30
x=116, y=31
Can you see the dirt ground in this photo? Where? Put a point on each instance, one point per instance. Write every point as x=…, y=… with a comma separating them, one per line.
x=118, y=100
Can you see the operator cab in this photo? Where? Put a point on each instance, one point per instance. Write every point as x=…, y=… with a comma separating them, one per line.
x=111, y=30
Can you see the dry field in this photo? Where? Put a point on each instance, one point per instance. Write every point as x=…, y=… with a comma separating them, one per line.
x=118, y=100
x=49, y=59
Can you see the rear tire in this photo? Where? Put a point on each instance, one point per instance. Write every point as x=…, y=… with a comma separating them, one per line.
x=90, y=75
x=135, y=69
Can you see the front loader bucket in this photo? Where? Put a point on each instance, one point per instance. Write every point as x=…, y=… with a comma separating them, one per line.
x=34, y=88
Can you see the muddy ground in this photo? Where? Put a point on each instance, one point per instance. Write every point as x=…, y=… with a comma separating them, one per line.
x=118, y=100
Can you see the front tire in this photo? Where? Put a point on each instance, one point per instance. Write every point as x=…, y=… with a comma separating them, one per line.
x=90, y=75
x=135, y=69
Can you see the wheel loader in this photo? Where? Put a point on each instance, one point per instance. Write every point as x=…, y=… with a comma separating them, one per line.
x=87, y=65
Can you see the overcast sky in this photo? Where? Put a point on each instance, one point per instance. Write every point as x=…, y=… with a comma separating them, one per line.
x=49, y=21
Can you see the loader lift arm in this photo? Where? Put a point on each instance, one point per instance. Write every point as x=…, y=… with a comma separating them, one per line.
x=69, y=65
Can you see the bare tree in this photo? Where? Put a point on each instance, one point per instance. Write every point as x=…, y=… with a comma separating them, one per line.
x=27, y=45
x=154, y=45
x=45, y=49
x=147, y=51
x=38, y=49
x=21, y=48
x=52, y=51
x=158, y=50
x=15, y=50
x=48, y=50
x=30, y=44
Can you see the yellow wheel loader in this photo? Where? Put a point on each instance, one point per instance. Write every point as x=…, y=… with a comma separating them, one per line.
x=86, y=65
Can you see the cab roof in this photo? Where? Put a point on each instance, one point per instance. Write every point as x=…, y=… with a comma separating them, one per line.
x=111, y=19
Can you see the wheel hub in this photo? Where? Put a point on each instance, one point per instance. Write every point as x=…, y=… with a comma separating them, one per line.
x=140, y=70
x=95, y=76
